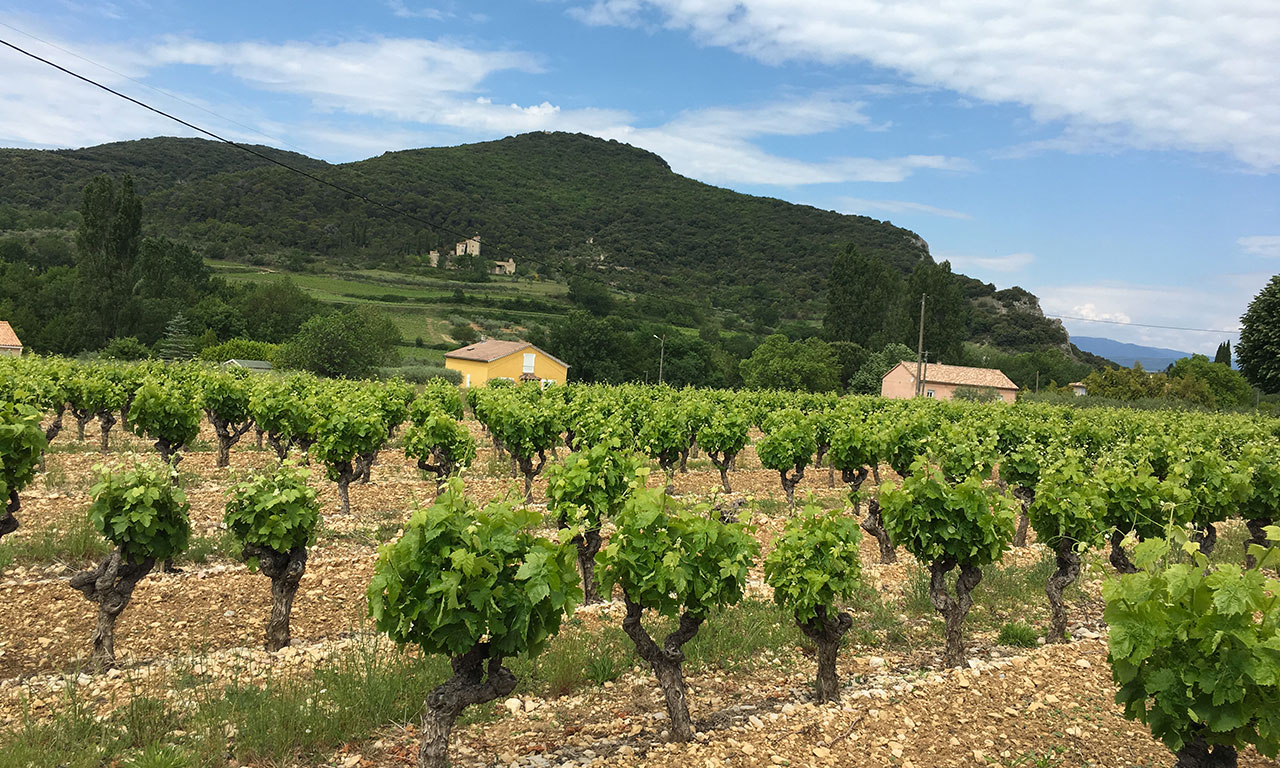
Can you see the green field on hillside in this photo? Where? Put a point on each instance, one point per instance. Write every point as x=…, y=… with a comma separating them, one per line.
x=419, y=306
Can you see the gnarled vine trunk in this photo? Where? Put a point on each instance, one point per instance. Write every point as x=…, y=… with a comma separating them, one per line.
x=666, y=663
x=1197, y=753
x=110, y=585
x=442, y=469
x=722, y=462
x=364, y=466
x=228, y=435
x=258, y=433
x=345, y=474
x=953, y=607
x=477, y=679
x=169, y=455
x=588, y=544
x=826, y=633
x=1025, y=497
x=1207, y=538
x=1257, y=535
x=106, y=420
x=789, y=484
x=82, y=418
x=1119, y=558
x=278, y=444
x=1068, y=562
x=530, y=470
x=873, y=524
x=285, y=570
x=55, y=426
x=9, y=520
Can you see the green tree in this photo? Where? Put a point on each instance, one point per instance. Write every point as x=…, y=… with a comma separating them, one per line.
x=591, y=295
x=177, y=343
x=779, y=363
x=1258, y=351
x=867, y=380
x=126, y=348
x=349, y=344
x=478, y=586
x=1223, y=355
x=946, y=310
x=275, y=311
x=107, y=245
x=865, y=298
x=1227, y=387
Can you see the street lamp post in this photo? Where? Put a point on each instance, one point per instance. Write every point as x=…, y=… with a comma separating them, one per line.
x=662, y=353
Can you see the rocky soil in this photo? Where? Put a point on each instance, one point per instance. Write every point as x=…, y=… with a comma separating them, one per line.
x=1048, y=706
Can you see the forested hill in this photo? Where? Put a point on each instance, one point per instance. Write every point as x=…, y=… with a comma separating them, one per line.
x=53, y=180
x=548, y=199
x=561, y=205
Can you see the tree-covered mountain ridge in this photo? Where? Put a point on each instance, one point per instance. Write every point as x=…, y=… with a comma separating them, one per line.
x=559, y=204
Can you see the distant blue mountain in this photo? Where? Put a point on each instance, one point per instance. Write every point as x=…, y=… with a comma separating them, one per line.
x=1122, y=353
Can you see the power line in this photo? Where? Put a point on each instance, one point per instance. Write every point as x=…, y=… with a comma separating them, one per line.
x=1143, y=325
x=345, y=190
x=158, y=90
x=377, y=203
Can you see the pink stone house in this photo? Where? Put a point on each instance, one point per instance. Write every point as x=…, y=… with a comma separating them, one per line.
x=9, y=344
x=941, y=381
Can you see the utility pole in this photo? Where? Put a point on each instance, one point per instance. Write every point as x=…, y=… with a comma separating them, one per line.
x=925, y=374
x=920, y=350
x=1037, y=382
x=662, y=354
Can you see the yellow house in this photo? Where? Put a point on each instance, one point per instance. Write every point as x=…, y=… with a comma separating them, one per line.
x=514, y=360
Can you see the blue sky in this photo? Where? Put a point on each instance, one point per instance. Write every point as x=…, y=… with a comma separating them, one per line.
x=1118, y=160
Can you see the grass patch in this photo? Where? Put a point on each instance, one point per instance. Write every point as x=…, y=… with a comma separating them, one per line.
x=79, y=544
x=1006, y=594
x=1018, y=634
x=283, y=722
x=770, y=507
x=220, y=546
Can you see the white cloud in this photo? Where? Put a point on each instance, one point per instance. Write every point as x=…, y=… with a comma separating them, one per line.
x=1184, y=74
x=416, y=89
x=715, y=144
x=862, y=205
x=1011, y=262
x=1212, y=302
x=41, y=107
x=1261, y=245
x=403, y=11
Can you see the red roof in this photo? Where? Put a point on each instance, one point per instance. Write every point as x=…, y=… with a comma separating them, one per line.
x=8, y=339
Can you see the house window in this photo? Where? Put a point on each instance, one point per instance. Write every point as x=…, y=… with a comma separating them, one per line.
x=928, y=393
x=528, y=362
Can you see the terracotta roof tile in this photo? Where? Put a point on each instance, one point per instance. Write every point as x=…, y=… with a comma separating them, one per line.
x=7, y=337
x=495, y=349
x=963, y=375
x=488, y=351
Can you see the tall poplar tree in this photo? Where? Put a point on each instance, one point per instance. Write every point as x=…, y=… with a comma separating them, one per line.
x=107, y=249
x=945, y=315
x=864, y=301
